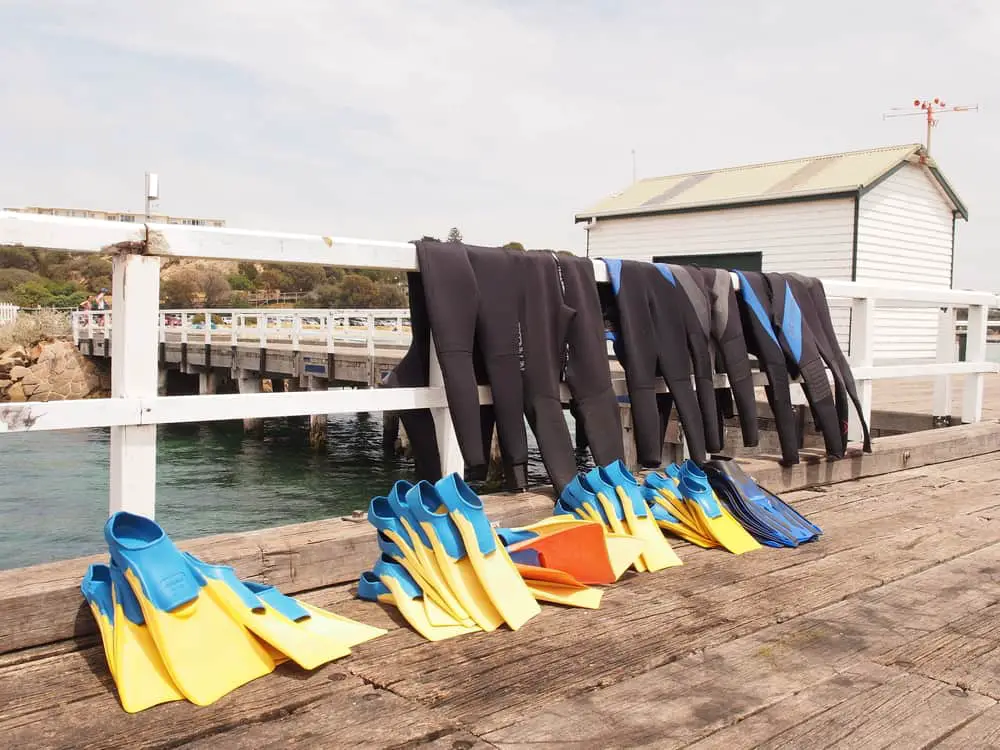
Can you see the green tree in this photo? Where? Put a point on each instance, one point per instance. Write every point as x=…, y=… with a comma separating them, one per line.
x=248, y=269
x=303, y=277
x=239, y=282
x=181, y=289
x=215, y=288
x=273, y=279
x=454, y=235
x=357, y=291
x=514, y=246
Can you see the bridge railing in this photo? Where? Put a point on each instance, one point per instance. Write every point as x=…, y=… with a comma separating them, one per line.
x=135, y=409
x=298, y=327
x=8, y=313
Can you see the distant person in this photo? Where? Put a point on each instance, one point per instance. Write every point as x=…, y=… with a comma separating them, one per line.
x=101, y=302
x=88, y=303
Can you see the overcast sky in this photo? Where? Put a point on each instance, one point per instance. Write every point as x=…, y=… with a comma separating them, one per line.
x=394, y=118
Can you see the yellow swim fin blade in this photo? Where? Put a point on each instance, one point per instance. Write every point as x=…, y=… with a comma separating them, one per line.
x=569, y=596
x=140, y=674
x=711, y=514
x=490, y=560
x=657, y=553
x=623, y=550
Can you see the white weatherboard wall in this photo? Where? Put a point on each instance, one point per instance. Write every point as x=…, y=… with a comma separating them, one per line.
x=814, y=238
x=905, y=236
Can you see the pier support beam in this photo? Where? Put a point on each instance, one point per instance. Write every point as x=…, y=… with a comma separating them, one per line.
x=249, y=382
x=208, y=383
x=317, y=422
x=161, y=381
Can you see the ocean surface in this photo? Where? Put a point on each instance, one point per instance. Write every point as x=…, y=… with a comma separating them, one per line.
x=211, y=478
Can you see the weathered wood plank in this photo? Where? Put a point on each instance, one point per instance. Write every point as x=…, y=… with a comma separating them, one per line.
x=982, y=733
x=733, y=683
x=965, y=652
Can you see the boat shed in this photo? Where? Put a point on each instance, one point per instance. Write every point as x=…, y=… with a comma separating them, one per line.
x=878, y=215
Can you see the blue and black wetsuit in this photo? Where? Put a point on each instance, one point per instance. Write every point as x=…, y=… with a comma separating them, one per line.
x=652, y=341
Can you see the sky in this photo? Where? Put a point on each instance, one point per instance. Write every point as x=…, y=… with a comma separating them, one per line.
x=390, y=119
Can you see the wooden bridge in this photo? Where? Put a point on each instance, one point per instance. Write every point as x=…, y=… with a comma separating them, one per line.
x=882, y=634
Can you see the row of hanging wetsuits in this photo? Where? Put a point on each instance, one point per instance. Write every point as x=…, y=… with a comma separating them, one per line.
x=526, y=322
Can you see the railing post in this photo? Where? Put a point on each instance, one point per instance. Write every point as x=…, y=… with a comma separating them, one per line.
x=262, y=330
x=75, y=323
x=235, y=321
x=185, y=323
x=296, y=329
x=862, y=355
x=134, y=369
x=945, y=353
x=161, y=323
x=444, y=428
x=975, y=351
x=330, y=323
x=371, y=335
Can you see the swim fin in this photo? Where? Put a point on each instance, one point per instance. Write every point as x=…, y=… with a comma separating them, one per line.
x=489, y=557
x=139, y=671
x=96, y=590
x=392, y=517
x=577, y=547
x=770, y=519
x=436, y=527
x=657, y=553
x=711, y=514
x=389, y=582
x=624, y=550
x=206, y=652
x=665, y=519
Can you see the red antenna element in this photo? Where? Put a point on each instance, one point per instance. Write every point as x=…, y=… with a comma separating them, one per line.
x=929, y=108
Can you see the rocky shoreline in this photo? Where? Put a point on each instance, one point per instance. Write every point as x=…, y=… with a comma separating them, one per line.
x=50, y=371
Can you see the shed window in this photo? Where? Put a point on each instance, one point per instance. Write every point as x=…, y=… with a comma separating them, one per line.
x=728, y=261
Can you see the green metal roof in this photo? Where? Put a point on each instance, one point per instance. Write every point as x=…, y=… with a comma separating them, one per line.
x=796, y=179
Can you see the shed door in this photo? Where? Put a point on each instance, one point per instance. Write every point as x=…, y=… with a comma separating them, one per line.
x=727, y=261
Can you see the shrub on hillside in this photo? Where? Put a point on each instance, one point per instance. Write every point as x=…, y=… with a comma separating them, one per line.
x=30, y=328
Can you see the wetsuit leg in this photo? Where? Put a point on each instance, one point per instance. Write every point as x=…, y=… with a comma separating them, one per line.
x=727, y=332
x=799, y=344
x=692, y=297
x=498, y=337
x=588, y=373
x=754, y=300
x=674, y=356
x=452, y=298
x=412, y=372
x=636, y=346
x=544, y=324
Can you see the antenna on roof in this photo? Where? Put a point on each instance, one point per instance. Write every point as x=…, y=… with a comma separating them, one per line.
x=928, y=108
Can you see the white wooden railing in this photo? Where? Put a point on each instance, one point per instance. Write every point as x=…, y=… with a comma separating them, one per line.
x=134, y=409
x=8, y=313
x=298, y=328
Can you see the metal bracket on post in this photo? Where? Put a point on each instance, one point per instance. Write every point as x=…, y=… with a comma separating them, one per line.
x=444, y=428
x=134, y=369
x=975, y=351
x=945, y=353
x=862, y=355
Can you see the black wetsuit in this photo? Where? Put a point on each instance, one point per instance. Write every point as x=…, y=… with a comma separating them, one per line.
x=469, y=298
x=652, y=340
x=731, y=348
x=518, y=321
x=756, y=315
x=816, y=310
x=563, y=335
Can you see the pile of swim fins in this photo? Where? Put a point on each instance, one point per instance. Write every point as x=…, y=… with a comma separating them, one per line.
x=175, y=627
x=441, y=563
x=611, y=496
x=767, y=517
x=683, y=502
x=561, y=558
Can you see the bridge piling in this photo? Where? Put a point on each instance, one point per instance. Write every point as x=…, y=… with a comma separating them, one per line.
x=317, y=422
x=249, y=382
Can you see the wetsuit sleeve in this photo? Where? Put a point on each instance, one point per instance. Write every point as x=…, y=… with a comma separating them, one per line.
x=762, y=341
x=799, y=344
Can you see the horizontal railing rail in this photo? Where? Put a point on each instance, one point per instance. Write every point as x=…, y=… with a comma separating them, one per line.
x=134, y=409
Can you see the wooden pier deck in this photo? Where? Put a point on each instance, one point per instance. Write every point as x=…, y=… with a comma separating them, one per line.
x=882, y=634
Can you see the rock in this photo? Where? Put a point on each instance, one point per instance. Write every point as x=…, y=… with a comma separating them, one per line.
x=36, y=352
x=18, y=372
x=14, y=356
x=15, y=393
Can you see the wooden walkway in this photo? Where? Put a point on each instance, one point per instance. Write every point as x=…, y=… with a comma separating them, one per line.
x=883, y=634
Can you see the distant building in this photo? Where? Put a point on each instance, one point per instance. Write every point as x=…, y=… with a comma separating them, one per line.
x=878, y=215
x=127, y=216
